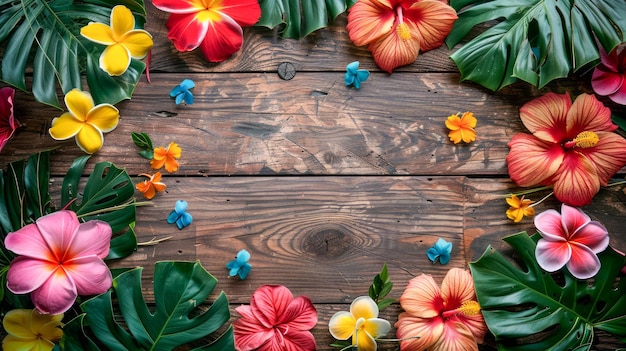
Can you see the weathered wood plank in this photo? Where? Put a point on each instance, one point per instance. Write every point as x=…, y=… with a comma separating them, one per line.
x=259, y=124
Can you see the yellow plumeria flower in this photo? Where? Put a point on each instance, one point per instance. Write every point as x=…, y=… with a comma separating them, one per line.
x=84, y=121
x=123, y=41
x=461, y=128
x=361, y=324
x=30, y=330
x=519, y=209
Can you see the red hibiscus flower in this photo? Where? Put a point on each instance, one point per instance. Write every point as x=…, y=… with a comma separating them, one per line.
x=8, y=123
x=212, y=25
x=275, y=320
x=571, y=147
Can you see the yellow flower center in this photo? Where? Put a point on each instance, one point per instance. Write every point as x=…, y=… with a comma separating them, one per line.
x=403, y=31
x=467, y=308
x=586, y=139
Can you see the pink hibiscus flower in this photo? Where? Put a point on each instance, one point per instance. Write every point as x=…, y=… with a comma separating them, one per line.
x=212, y=25
x=571, y=239
x=58, y=259
x=274, y=320
x=8, y=123
x=571, y=147
x=609, y=77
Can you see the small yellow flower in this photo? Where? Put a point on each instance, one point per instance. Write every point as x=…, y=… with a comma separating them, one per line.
x=30, y=330
x=150, y=187
x=84, y=121
x=123, y=41
x=519, y=209
x=167, y=157
x=461, y=128
x=361, y=324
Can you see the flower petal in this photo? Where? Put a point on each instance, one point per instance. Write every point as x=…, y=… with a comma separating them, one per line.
x=93, y=239
x=122, y=21
x=244, y=12
x=79, y=103
x=457, y=287
x=572, y=219
x=546, y=116
x=342, y=325
x=418, y=333
x=11, y=342
x=58, y=230
x=364, y=307
x=298, y=340
x=223, y=38
x=376, y=327
x=583, y=263
x=16, y=322
x=115, y=59
x=65, y=127
x=433, y=21
x=576, y=180
x=90, y=274
x=588, y=114
x=269, y=302
x=456, y=337
x=179, y=6
x=392, y=51
x=8, y=123
x=249, y=333
x=89, y=138
x=593, y=235
x=37, y=271
x=27, y=241
x=185, y=31
x=422, y=297
x=138, y=42
x=98, y=33
x=105, y=117
x=550, y=224
x=531, y=160
x=608, y=156
x=369, y=20
x=605, y=82
x=364, y=341
x=56, y=295
x=552, y=255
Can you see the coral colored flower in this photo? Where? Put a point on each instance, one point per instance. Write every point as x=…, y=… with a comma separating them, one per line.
x=462, y=128
x=571, y=147
x=355, y=76
x=30, y=330
x=84, y=121
x=151, y=186
x=182, y=92
x=167, y=157
x=519, y=209
x=440, y=319
x=571, y=239
x=440, y=251
x=240, y=266
x=8, y=123
x=397, y=30
x=58, y=259
x=609, y=77
x=275, y=320
x=180, y=216
x=123, y=41
x=212, y=25
x=361, y=324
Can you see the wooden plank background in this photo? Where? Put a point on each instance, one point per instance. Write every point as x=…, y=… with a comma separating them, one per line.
x=320, y=182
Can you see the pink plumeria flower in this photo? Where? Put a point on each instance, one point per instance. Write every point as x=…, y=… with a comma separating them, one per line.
x=571, y=239
x=58, y=259
x=609, y=77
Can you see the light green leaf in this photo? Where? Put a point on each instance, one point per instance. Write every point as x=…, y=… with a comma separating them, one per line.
x=179, y=289
x=536, y=41
x=51, y=29
x=528, y=309
x=300, y=18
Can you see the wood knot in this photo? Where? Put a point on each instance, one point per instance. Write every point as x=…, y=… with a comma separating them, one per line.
x=327, y=242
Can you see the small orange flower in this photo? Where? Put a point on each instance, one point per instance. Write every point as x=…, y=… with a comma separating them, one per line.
x=519, y=209
x=462, y=128
x=150, y=187
x=167, y=157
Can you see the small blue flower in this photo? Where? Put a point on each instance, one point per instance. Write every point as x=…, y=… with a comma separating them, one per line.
x=180, y=216
x=240, y=265
x=441, y=250
x=181, y=92
x=354, y=75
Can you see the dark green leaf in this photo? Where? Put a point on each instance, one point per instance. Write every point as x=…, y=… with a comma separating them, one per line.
x=147, y=154
x=384, y=303
x=300, y=18
x=36, y=178
x=75, y=336
x=558, y=312
x=69, y=189
x=179, y=288
x=142, y=140
x=536, y=41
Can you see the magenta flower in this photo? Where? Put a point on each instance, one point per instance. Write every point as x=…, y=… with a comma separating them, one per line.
x=609, y=77
x=8, y=123
x=275, y=320
x=58, y=259
x=571, y=239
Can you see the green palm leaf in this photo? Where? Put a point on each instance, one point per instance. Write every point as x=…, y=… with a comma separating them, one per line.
x=536, y=41
x=179, y=288
x=527, y=309
x=45, y=36
x=300, y=18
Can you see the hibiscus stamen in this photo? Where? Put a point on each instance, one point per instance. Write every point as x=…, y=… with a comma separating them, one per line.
x=402, y=28
x=584, y=140
x=467, y=308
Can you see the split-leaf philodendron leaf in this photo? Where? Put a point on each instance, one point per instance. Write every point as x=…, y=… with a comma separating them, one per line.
x=528, y=309
x=300, y=18
x=51, y=30
x=536, y=41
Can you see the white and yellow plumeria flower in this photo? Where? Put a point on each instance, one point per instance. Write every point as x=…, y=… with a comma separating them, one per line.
x=361, y=324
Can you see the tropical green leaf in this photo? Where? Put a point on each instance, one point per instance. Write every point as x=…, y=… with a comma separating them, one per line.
x=179, y=288
x=536, y=41
x=529, y=309
x=300, y=18
x=107, y=196
x=51, y=30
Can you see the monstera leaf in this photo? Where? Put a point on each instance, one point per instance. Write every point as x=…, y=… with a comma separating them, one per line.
x=528, y=309
x=301, y=18
x=179, y=288
x=107, y=196
x=51, y=30
x=536, y=41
